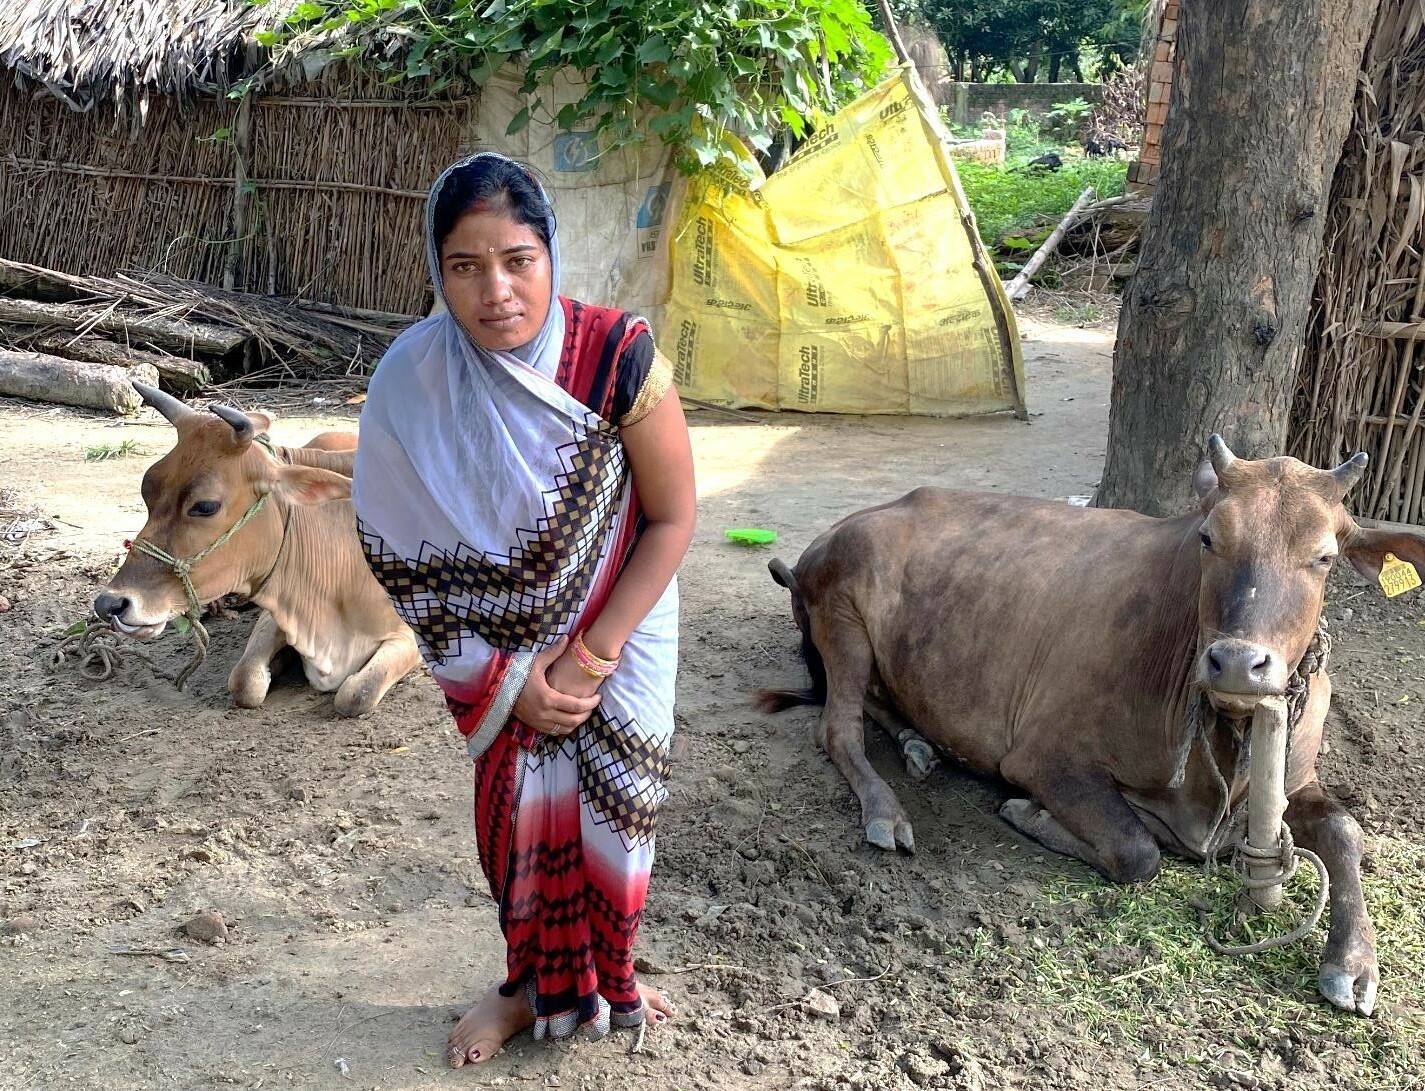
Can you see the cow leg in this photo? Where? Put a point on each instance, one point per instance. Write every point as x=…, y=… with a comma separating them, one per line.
x=1349, y=973
x=920, y=757
x=362, y=691
x=1036, y=823
x=846, y=650
x=252, y=674
x=1081, y=813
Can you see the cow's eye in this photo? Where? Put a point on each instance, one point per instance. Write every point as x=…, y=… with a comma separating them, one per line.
x=205, y=508
x=1206, y=542
x=1326, y=560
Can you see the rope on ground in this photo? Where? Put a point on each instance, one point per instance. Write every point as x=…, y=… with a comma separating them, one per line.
x=1288, y=859
x=96, y=651
x=201, y=642
x=94, y=648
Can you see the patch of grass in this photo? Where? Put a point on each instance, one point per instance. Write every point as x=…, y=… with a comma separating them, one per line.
x=1133, y=960
x=1011, y=199
x=103, y=452
x=1078, y=314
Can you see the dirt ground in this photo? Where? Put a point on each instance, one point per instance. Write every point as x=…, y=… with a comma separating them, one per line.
x=341, y=853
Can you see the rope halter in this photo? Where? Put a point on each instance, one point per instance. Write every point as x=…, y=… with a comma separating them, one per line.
x=182, y=567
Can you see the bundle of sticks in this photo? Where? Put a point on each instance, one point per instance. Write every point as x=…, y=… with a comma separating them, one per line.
x=78, y=340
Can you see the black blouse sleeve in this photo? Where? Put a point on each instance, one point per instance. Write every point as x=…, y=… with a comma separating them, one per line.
x=644, y=377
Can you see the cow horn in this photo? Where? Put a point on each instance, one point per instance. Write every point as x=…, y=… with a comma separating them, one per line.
x=1220, y=454
x=242, y=426
x=1350, y=472
x=172, y=409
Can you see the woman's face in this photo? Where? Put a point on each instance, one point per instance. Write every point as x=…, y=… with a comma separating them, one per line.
x=498, y=279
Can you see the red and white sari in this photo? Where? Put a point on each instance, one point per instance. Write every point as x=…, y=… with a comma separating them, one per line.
x=495, y=504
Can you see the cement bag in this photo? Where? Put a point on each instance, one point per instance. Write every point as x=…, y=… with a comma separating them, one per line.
x=852, y=281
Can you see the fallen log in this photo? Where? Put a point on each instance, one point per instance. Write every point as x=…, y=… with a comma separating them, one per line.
x=275, y=330
x=1017, y=287
x=44, y=378
x=175, y=374
x=170, y=333
x=33, y=282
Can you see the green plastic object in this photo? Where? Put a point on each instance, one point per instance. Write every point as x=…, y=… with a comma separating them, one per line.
x=751, y=536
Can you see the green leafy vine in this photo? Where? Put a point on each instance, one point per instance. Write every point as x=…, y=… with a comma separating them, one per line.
x=686, y=71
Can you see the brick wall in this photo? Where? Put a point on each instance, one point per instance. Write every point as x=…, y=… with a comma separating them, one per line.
x=1143, y=174
x=967, y=102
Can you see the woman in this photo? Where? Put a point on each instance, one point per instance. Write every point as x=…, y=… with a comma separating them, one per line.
x=524, y=490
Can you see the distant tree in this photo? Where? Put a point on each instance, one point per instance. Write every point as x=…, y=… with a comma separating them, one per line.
x=1029, y=39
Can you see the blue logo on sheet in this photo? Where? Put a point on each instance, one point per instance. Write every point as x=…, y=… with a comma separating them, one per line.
x=655, y=201
x=575, y=152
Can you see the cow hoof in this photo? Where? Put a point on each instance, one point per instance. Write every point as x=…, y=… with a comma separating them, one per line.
x=354, y=709
x=1348, y=991
x=249, y=696
x=1023, y=814
x=249, y=686
x=920, y=758
x=888, y=834
x=356, y=698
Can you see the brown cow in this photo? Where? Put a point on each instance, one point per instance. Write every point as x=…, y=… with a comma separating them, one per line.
x=299, y=557
x=1064, y=650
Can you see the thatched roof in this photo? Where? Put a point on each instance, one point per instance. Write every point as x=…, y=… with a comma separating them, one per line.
x=88, y=50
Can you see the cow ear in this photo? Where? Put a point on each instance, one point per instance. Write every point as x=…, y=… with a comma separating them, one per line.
x=1366, y=548
x=310, y=485
x=1204, y=483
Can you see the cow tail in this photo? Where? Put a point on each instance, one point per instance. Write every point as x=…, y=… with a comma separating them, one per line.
x=778, y=700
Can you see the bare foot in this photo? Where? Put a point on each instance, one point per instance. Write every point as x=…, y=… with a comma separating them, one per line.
x=487, y=1026
x=659, y=1008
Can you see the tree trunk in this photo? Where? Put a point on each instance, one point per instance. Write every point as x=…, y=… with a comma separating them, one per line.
x=1213, y=321
x=1031, y=70
x=175, y=374
x=43, y=378
x=168, y=333
x=1016, y=69
x=1056, y=63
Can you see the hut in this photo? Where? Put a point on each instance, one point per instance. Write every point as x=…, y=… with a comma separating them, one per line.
x=157, y=134
x=1361, y=385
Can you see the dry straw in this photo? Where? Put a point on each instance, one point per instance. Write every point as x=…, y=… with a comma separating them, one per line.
x=138, y=159
x=83, y=50
x=1362, y=387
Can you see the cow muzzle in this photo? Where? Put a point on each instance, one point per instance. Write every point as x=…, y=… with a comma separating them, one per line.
x=119, y=612
x=1239, y=674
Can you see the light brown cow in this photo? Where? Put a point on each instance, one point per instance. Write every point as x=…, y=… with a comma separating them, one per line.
x=298, y=556
x=1063, y=649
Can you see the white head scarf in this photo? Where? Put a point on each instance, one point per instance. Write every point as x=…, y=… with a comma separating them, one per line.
x=543, y=352
x=468, y=461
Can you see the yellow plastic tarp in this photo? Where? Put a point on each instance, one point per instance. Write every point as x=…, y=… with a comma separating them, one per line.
x=851, y=281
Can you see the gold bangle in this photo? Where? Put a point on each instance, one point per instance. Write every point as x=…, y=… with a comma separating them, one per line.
x=593, y=665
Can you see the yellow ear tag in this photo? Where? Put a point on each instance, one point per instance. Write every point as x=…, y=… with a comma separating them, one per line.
x=1397, y=576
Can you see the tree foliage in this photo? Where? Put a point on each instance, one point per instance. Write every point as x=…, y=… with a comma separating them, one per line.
x=1032, y=38
x=688, y=70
